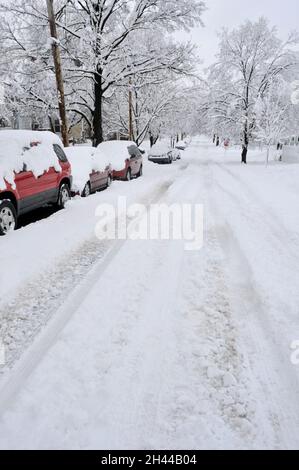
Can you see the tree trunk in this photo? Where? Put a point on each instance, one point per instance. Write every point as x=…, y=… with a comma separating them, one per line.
x=245, y=143
x=58, y=73
x=137, y=117
x=151, y=139
x=98, y=112
x=246, y=128
x=244, y=154
x=131, y=137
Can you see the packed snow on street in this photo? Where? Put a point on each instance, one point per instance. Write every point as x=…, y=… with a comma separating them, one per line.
x=143, y=344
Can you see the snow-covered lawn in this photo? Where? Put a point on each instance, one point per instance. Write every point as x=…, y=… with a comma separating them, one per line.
x=145, y=345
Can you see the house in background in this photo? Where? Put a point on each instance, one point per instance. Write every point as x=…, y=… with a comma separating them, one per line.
x=49, y=123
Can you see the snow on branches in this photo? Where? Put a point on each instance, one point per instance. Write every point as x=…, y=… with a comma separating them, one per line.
x=251, y=60
x=103, y=44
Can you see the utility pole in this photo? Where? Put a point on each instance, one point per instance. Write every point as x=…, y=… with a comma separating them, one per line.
x=130, y=110
x=58, y=73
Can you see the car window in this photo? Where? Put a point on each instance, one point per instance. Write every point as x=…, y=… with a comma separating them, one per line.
x=60, y=153
x=134, y=151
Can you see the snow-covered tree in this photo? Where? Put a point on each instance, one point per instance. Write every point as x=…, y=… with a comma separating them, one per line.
x=97, y=42
x=271, y=112
x=250, y=58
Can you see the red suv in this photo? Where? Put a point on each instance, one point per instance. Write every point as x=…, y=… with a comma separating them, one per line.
x=34, y=171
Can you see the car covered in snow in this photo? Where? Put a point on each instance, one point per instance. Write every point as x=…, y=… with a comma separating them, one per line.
x=91, y=170
x=125, y=157
x=181, y=145
x=34, y=171
x=161, y=153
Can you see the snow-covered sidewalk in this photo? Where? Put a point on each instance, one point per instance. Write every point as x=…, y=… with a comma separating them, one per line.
x=157, y=347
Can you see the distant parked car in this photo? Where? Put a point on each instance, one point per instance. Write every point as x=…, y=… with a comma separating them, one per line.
x=91, y=170
x=181, y=145
x=161, y=153
x=34, y=171
x=125, y=157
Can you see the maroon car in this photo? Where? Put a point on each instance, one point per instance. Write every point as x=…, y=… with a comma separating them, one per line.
x=125, y=157
x=91, y=170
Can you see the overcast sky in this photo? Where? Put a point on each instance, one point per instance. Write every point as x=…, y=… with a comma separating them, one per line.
x=230, y=13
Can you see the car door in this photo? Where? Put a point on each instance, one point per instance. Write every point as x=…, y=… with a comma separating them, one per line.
x=51, y=178
x=98, y=179
x=47, y=184
x=29, y=190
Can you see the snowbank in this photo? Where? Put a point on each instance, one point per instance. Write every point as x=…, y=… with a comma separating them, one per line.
x=116, y=152
x=290, y=154
x=35, y=149
x=84, y=161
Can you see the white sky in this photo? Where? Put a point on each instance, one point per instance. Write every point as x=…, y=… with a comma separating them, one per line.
x=230, y=13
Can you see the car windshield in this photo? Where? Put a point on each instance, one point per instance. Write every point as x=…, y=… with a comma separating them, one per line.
x=134, y=151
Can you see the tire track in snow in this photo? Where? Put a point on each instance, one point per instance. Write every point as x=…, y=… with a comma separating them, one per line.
x=265, y=362
x=267, y=216
x=46, y=320
x=271, y=245
x=142, y=355
x=266, y=358
x=185, y=371
x=222, y=360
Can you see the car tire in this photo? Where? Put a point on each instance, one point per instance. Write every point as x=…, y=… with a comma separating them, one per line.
x=64, y=196
x=8, y=217
x=87, y=190
x=129, y=175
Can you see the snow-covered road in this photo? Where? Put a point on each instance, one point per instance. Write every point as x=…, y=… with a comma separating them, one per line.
x=145, y=345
